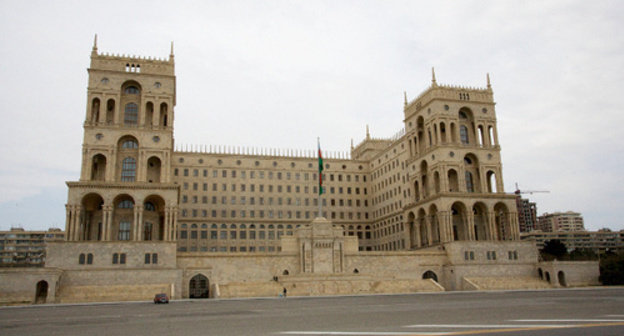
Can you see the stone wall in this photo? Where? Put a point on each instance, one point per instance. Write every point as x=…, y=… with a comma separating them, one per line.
x=65, y=255
x=19, y=285
x=570, y=273
x=118, y=285
x=222, y=269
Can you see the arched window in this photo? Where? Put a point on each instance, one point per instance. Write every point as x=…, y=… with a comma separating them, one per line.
x=128, y=170
x=132, y=90
x=469, y=183
x=130, y=144
x=149, y=206
x=125, y=204
x=463, y=134
x=81, y=259
x=89, y=259
x=131, y=114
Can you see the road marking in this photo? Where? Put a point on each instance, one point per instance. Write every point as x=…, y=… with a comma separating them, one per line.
x=495, y=331
x=569, y=320
x=365, y=333
x=487, y=326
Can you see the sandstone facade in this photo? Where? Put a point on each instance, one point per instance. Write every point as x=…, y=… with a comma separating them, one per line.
x=424, y=210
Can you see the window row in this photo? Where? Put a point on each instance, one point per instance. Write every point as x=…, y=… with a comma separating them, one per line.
x=270, y=188
x=230, y=249
x=195, y=213
x=244, y=200
x=261, y=174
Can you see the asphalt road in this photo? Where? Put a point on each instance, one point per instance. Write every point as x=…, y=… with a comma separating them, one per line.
x=553, y=312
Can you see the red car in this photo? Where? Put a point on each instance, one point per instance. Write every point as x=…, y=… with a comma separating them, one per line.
x=161, y=298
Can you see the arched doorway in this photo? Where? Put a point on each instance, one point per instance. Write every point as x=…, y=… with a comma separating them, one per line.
x=198, y=287
x=430, y=275
x=42, y=292
x=562, y=280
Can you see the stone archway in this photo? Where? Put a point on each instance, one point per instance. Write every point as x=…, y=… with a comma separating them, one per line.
x=430, y=275
x=41, y=292
x=199, y=287
x=562, y=279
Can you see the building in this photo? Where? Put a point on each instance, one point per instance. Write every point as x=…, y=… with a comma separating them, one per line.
x=20, y=248
x=527, y=213
x=597, y=241
x=561, y=221
x=424, y=210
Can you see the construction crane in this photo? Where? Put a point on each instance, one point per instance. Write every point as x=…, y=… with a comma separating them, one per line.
x=530, y=192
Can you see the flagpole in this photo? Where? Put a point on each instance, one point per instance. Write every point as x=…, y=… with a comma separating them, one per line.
x=320, y=205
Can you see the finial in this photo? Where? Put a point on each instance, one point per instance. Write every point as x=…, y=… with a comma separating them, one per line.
x=489, y=86
x=433, y=78
x=352, y=144
x=367, y=132
x=94, y=50
x=405, y=98
x=171, y=48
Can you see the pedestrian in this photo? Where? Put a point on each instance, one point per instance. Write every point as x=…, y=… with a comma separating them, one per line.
x=284, y=291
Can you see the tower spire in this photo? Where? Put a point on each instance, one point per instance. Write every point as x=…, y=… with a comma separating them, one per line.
x=95, y=49
x=171, y=56
x=404, y=98
x=489, y=86
x=352, y=144
x=367, y=132
x=433, y=78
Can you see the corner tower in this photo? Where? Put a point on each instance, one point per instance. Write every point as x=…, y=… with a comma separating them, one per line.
x=454, y=168
x=125, y=191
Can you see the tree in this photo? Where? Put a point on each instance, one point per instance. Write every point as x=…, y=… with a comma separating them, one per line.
x=612, y=269
x=554, y=249
x=583, y=254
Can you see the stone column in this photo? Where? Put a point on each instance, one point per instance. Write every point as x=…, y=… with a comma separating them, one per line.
x=141, y=228
x=165, y=233
x=174, y=226
x=429, y=235
x=486, y=136
x=417, y=235
x=438, y=134
x=483, y=180
x=461, y=179
x=76, y=225
x=470, y=223
x=491, y=217
x=135, y=222
x=108, y=220
x=513, y=223
x=68, y=222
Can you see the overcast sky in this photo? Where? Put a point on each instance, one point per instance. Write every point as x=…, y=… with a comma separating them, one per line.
x=279, y=74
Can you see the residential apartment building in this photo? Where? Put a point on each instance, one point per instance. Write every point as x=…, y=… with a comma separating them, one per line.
x=21, y=248
x=598, y=241
x=561, y=221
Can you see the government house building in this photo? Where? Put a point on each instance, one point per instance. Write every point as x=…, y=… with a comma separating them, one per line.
x=424, y=210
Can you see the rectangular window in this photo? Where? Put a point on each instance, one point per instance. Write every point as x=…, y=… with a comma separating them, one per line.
x=148, y=258
x=122, y=258
x=124, y=231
